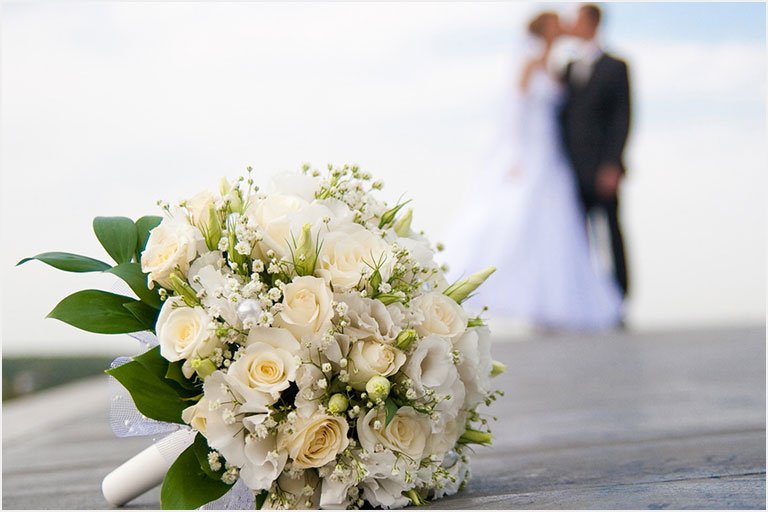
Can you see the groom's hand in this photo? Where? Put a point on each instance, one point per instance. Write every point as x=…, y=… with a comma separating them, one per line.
x=607, y=181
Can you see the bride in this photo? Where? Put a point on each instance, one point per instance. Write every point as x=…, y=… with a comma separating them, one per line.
x=525, y=217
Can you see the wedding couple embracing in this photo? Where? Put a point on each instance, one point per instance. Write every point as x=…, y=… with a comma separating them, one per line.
x=558, y=165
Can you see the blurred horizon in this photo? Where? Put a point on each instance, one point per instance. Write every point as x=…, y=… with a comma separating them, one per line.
x=107, y=107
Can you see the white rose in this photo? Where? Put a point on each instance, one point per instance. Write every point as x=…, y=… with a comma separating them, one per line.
x=442, y=316
x=407, y=432
x=370, y=358
x=475, y=364
x=315, y=441
x=349, y=254
x=307, y=306
x=183, y=331
x=266, y=367
x=171, y=245
x=198, y=207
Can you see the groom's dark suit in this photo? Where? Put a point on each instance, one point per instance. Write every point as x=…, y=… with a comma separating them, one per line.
x=595, y=125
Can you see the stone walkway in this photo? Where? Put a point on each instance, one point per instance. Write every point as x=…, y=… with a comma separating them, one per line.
x=618, y=421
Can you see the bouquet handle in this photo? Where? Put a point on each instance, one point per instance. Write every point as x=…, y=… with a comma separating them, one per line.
x=146, y=469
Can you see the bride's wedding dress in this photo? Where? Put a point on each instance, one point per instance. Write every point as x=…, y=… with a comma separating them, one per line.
x=525, y=219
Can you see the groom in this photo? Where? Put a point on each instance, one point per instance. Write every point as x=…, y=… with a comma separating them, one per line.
x=595, y=124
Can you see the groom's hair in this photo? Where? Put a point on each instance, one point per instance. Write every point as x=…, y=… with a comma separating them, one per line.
x=593, y=12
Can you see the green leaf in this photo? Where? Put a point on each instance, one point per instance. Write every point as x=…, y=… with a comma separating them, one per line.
x=186, y=486
x=143, y=226
x=175, y=374
x=154, y=396
x=133, y=276
x=145, y=314
x=159, y=366
x=391, y=410
x=97, y=311
x=68, y=262
x=118, y=236
x=202, y=450
x=261, y=498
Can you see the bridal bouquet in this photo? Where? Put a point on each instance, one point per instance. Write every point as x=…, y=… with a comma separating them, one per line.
x=305, y=334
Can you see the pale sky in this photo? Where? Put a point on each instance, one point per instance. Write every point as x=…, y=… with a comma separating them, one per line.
x=109, y=106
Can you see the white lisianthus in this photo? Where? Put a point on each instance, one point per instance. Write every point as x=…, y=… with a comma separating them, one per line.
x=351, y=253
x=263, y=461
x=224, y=431
x=407, y=432
x=196, y=416
x=369, y=359
x=384, y=484
x=309, y=395
x=475, y=364
x=182, y=331
x=443, y=441
x=212, y=282
x=299, y=491
x=314, y=442
x=266, y=367
x=430, y=366
x=442, y=316
x=368, y=319
x=307, y=306
x=171, y=245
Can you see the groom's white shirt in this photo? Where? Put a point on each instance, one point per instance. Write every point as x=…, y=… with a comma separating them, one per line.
x=583, y=66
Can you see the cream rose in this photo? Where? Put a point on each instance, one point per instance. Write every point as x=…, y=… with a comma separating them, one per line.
x=407, y=432
x=172, y=245
x=266, y=367
x=307, y=306
x=347, y=255
x=315, y=441
x=442, y=316
x=182, y=331
x=370, y=358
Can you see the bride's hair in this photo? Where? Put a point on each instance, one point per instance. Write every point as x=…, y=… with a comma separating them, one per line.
x=538, y=24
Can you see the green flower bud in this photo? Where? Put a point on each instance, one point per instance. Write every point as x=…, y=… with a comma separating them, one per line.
x=203, y=367
x=460, y=290
x=498, y=368
x=338, y=404
x=377, y=388
x=415, y=497
x=305, y=255
x=405, y=339
x=388, y=217
x=472, y=436
x=211, y=229
x=182, y=288
x=403, y=224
